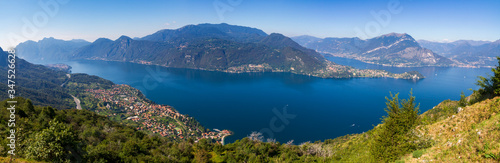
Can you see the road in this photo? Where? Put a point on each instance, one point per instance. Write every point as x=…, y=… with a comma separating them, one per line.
x=69, y=76
x=77, y=101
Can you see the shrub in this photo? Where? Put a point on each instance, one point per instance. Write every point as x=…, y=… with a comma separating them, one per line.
x=418, y=153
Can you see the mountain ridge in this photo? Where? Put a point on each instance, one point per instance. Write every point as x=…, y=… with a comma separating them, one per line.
x=223, y=47
x=470, y=52
x=393, y=49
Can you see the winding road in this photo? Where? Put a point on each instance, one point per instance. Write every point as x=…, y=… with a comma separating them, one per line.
x=77, y=101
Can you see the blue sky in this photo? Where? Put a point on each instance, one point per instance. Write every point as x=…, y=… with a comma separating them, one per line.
x=92, y=19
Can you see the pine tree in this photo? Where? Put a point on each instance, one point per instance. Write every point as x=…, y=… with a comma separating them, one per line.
x=394, y=138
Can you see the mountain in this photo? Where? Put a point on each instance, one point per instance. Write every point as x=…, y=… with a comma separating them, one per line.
x=39, y=83
x=304, y=40
x=209, y=54
x=392, y=49
x=222, y=47
x=48, y=49
x=473, y=53
x=222, y=31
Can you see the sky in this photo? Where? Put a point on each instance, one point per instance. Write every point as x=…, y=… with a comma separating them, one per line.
x=433, y=20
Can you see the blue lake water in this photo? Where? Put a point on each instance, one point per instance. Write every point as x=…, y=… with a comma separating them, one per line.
x=316, y=109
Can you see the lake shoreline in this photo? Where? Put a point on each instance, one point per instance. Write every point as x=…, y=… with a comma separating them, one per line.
x=242, y=103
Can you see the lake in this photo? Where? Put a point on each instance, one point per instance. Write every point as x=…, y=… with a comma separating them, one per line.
x=284, y=106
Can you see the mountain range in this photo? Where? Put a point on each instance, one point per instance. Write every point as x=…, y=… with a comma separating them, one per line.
x=392, y=49
x=214, y=47
x=475, y=53
x=402, y=50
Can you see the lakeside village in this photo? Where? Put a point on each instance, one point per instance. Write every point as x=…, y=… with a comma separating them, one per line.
x=123, y=103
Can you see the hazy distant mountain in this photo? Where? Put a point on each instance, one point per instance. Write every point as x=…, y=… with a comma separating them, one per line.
x=391, y=49
x=474, y=53
x=304, y=40
x=48, y=49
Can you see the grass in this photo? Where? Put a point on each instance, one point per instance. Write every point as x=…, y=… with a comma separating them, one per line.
x=472, y=135
x=351, y=148
x=440, y=112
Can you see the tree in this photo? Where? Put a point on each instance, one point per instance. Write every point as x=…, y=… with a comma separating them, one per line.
x=48, y=112
x=490, y=87
x=462, y=102
x=394, y=138
x=29, y=108
x=53, y=144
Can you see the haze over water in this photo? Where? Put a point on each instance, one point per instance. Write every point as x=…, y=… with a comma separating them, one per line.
x=322, y=108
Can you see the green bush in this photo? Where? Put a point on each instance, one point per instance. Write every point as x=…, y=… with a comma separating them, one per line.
x=418, y=153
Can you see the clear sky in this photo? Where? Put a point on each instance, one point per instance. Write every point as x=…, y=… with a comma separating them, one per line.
x=91, y=19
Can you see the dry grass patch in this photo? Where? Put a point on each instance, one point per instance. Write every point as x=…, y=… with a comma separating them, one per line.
x=472, y=135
